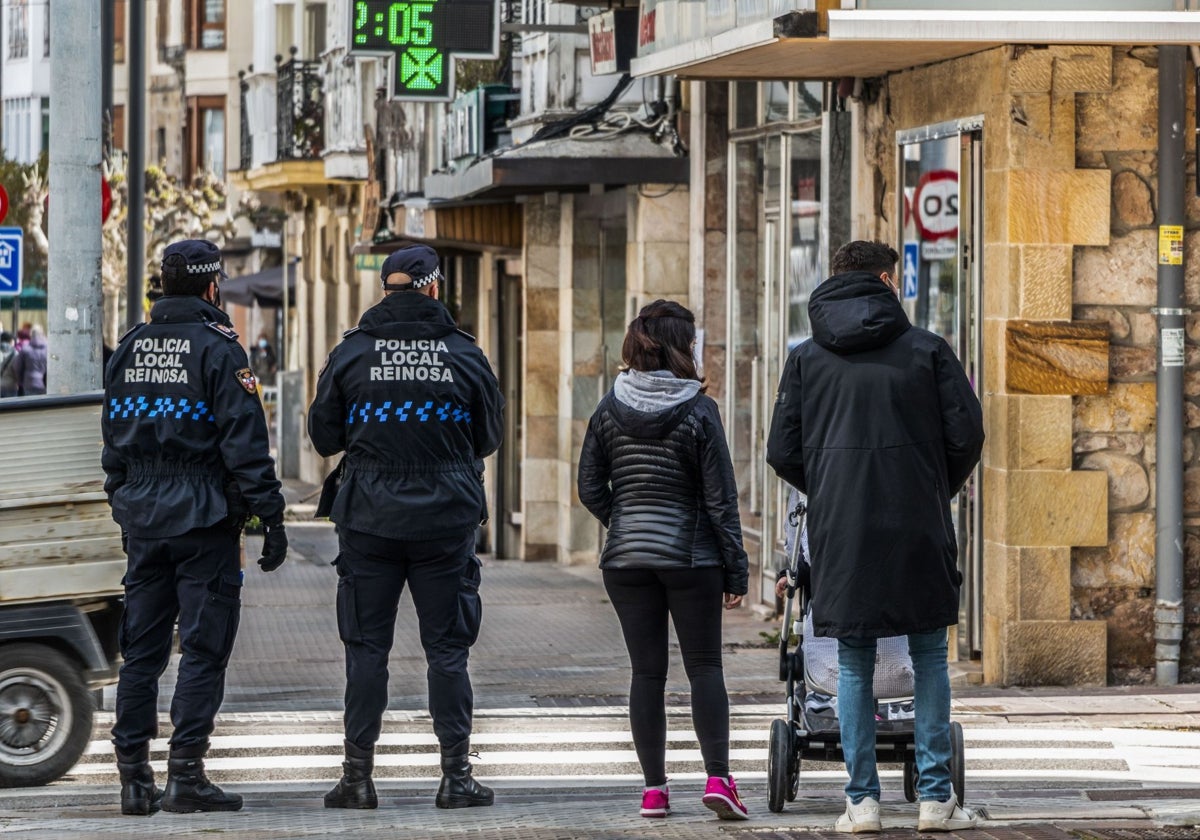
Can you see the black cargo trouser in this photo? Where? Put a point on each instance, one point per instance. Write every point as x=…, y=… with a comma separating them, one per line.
x=444, y=577
x=197, y=578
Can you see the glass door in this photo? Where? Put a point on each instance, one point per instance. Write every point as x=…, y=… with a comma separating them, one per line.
x=941, y=179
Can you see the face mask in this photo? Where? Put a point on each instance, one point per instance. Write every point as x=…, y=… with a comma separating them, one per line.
x=5, y=346
x=262, y=342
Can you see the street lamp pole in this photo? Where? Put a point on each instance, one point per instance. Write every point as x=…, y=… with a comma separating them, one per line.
x=74, y=304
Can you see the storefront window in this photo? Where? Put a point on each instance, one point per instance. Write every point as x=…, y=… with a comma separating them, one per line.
x=810, y=102
x=775, y=261
x=804, y=266
x=745, y=104
x=775, y=101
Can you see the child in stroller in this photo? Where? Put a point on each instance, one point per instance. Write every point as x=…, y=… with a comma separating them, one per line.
x=810, y=730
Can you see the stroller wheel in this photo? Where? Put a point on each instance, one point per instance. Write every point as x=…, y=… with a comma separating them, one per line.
x=779, y=758
x=910, y=781
x=958, y=762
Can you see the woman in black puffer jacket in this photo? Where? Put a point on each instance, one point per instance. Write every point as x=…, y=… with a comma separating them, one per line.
x=655, y=470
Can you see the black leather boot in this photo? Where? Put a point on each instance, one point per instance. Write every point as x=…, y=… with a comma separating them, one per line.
x=458, y=789
x=139, y=796
x=188, y=789
x=355, y=790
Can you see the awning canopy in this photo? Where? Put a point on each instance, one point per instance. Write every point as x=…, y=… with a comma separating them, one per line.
x=865, y=43
x=263, y=287
x=563, y=165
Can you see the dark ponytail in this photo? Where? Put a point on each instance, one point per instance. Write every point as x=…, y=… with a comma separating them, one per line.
x=661, y=338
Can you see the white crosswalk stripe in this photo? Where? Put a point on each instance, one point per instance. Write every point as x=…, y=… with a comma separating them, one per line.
x=595, y=745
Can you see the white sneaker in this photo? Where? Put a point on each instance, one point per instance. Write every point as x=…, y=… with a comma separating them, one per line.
x=944, y=816
x=862, y=818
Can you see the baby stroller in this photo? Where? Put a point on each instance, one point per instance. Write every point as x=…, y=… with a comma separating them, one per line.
x=811, y=729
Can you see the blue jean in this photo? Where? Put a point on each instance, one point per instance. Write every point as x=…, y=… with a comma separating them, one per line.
x=931, y=706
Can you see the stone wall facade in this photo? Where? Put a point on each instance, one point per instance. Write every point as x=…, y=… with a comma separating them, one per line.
x=1069, y=350
x=1117, y=132
x=1040, y=208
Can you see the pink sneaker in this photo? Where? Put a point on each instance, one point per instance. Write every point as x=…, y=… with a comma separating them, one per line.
x=721, y=796
x=656, y=803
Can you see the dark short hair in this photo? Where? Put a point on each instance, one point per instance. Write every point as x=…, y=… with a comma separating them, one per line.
x=177, y=280
x=861, y=255
x=660, y=338
x=7, y=336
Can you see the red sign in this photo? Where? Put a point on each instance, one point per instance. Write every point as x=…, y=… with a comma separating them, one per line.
x=646, y=28
x=3, y=202
x=936, y=203
x=106, y=201
x=603, y=40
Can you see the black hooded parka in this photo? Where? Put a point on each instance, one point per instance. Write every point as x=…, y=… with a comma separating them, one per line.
x=877, y=422
x=413, y=403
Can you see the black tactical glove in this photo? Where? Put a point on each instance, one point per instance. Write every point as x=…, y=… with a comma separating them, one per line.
x=124, y=541
x=275, y=546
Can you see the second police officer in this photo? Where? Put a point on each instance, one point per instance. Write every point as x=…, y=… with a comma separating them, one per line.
x=186, y=461
x=413, y=403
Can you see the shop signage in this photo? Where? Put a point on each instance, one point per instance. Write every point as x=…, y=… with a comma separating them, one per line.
x=424, y=39
x=936, y=203
x=612, y=39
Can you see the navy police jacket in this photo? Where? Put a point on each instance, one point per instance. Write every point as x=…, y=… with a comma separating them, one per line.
x=415, y=406
x=185, y=439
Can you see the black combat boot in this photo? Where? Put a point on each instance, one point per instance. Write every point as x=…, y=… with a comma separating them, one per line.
x=139, y=796
x=188, y=789
x=458, y=789
x=355, y=790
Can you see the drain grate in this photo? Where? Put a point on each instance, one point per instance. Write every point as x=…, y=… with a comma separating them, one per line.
x=1163, y=833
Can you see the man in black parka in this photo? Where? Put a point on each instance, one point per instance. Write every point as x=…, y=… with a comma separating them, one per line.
x=876, y=421
x=186, y=460
x=415, y=406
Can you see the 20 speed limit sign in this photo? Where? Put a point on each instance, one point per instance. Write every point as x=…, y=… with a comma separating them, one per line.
x=936, y=205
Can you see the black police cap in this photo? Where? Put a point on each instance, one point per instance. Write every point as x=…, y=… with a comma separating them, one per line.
x=420, y=262
x=200, y=255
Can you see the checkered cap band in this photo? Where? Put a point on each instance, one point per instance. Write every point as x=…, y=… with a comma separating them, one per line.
x=433, y=277
x=207, y=268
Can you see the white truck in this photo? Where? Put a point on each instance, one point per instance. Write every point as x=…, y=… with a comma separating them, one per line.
x=61, y=566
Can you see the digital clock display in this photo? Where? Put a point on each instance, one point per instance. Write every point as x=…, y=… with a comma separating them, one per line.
x=425, y=37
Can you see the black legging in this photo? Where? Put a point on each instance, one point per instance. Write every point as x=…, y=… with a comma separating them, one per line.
x=642, y=599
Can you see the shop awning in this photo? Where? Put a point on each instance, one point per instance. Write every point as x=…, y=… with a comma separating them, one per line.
x=563, y=165
x=865, y=43
x=263, y=287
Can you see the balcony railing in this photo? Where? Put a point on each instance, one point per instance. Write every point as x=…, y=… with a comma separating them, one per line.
x=300, y=111
x=245, y=141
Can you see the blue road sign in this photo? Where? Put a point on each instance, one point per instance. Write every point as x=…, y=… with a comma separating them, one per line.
x=908, y=289
x=11, y=253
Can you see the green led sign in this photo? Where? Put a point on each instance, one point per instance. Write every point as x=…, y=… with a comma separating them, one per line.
x=423, y=39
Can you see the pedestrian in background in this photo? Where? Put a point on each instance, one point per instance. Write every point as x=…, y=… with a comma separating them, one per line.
x=415, y=407
x=8, y=374
x=262, y=360
x=655, y=470
x=876, y=422
x=186, y=461
x=30, y=364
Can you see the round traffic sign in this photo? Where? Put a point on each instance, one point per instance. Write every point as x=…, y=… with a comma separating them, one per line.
x=3, y=202
x=936, y=203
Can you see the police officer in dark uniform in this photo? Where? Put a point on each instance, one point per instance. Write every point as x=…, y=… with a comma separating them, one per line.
x=186, y=459
x=415, y=406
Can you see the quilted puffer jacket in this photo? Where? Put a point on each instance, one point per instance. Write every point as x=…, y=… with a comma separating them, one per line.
x=655, y=470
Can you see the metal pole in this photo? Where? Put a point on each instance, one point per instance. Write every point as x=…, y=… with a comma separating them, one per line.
x=284, y=344
x=135, y=249
x=74, y=309
x=107, y=46
x=1168, y=607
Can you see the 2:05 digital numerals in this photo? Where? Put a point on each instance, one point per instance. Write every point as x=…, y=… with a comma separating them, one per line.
x=402, y=24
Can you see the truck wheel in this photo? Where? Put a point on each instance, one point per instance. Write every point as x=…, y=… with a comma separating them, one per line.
x=45, y=715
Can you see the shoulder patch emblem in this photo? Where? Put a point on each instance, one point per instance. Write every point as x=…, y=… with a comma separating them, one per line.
x=247, y=380
x=228, y=332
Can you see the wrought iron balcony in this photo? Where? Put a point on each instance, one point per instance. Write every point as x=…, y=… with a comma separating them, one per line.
x=300, y=110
